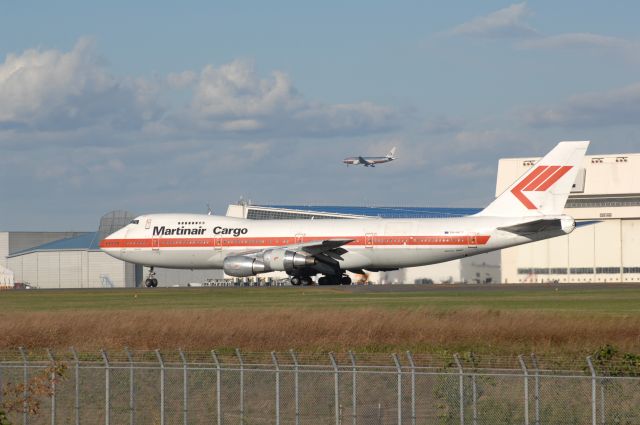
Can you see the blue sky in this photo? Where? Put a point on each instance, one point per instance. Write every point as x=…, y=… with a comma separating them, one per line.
x=167, y=107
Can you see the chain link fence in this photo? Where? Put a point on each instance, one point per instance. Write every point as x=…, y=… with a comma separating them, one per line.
x=135, y=387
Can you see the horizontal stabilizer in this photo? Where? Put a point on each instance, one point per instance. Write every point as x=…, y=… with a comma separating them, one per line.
x=533, y=227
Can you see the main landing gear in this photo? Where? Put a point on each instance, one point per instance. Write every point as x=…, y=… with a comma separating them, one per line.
x=324, y=280
x=151, y=281
x=301, y=280
x=335, y=280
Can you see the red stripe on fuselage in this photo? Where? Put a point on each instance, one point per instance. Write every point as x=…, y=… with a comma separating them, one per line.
x=171, y=242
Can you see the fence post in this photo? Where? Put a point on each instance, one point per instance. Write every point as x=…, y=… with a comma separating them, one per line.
x=132, y=388
x=336, y=387
x=399, y=386
x=525, y=371
x=107, y=391
x=460, y=386
x=277, y=366
x=241, y=361
x=354, y=387
x=474, y=397
x=413, y=387
x=1, y=383
x=602, y=411
x=593, y=390
x=161, y=362
x=218, y=386
x=76, y=404
x=296, y=383
x=25, y=382
x=53, y=386
x=534, y=360
x=185, y=388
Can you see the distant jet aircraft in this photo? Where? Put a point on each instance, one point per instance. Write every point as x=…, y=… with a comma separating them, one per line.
x=371, y=161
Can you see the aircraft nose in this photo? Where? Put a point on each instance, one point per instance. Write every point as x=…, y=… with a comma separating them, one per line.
x=112, y=241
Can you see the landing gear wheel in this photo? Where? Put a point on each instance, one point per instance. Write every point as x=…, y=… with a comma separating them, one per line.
x=306, y=280
x=329, y=280
x=151, y=281
x=295, y=281
x=345, y=280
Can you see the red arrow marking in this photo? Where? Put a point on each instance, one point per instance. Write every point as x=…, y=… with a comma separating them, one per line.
x=539, y=180
x=517, y=190
x=554, y=178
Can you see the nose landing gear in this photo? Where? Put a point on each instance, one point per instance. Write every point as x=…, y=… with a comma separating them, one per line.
x=151, y=281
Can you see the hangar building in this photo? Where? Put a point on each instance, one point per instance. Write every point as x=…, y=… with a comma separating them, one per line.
x=607, y=195
x=67, y=259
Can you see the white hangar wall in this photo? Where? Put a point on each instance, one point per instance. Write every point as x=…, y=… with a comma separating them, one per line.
x=71, y=269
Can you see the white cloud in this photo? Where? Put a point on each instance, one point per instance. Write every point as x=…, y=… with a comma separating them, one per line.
x=468, y=169
x=241, y=125
x=181, y=79
x=599, y=109
x=442, y=125
x=576, y=40
x=53, y=90
x=235, y=89
x=510, y=23
x=481, y=139
x=234, y=98
x=503, y=23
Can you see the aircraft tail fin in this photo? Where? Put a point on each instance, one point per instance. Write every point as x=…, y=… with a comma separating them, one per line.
x=392, y=153
x=544, y=188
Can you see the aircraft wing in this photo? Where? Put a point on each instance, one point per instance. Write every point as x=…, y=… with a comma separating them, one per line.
x=327, y=246
x=364, y=161
x=327, y=250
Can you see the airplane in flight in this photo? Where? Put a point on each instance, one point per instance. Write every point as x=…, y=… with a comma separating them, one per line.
x=371, y=161
x=531, y=209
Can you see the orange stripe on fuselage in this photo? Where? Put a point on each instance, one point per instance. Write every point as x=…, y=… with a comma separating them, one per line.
x=170, y=242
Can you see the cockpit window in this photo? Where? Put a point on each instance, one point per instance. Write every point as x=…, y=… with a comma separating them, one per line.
x=135, y=221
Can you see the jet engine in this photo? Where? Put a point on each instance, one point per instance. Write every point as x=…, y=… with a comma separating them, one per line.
x=277, y=259
x=243, y=266
x=284, y=260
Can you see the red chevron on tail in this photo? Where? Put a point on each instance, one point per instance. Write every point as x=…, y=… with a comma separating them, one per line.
x=539, y=180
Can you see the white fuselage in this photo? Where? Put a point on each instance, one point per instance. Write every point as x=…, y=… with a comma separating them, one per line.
x=193, y=241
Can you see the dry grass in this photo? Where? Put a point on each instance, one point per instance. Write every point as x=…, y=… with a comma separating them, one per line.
x=420, y=330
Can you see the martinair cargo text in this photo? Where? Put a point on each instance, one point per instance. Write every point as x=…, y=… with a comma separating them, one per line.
x=529, y=210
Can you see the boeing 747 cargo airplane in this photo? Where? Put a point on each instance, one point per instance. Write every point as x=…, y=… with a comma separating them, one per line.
x=529, y=210
x=371, y=161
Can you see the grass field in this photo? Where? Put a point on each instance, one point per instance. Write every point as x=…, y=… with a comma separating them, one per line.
x=564, y=320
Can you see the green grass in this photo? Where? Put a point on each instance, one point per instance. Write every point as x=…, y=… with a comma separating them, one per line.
x=565, y=320
x=619, y=300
